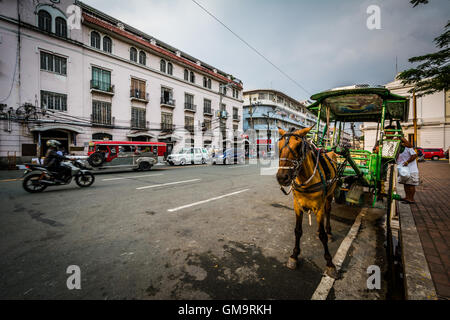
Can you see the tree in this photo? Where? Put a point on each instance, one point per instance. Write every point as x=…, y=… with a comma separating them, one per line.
x=433, y=72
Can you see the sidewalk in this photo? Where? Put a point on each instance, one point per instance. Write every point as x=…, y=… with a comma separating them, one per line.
x=432, y=217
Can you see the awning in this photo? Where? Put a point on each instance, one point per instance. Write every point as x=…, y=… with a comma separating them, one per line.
x=141, y=134
x=46, y=127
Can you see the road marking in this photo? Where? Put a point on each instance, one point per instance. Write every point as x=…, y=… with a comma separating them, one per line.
x=167, y=184
x=149, y=175
x=9, y=180
x=327, y=282
x=205, y=201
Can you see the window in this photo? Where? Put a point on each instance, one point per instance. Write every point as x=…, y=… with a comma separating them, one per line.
x=107, y=44
x=207, y=125
x=53, y=63
x=205, y=82
x=207, y=106
x=95, y=39
x=189, y=124
x=262, y=96
x=209, y=83
x=192, y=77
x=170, y=68
x=142, y=58
x=235, y=113
x=162, y=66
x=189, y=101
x=137, y=89
x=44, y=21
x=166, y=121
x=133, y=54
x=138, y=118
x=101, y=112
x=101, y=79
x=167, y=96
x=235, y=93
x=223, y=89
x=186, y=75
x=60, y=27
x=101, y=136
x=53, y=101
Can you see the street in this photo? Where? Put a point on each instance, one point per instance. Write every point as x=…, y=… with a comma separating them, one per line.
x=194, y=232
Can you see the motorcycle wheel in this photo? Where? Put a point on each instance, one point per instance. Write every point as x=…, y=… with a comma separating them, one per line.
x=32, y=183
x=85, y=180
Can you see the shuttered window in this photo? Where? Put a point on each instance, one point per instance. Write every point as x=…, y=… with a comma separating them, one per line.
x=138, y=118
x=101, y=112
x=53, y=101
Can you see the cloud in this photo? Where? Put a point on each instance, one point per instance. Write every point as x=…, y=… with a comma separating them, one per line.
x=321, y=44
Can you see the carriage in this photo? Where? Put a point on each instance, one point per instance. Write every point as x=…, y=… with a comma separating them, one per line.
x=363, y=175
x=317, y=167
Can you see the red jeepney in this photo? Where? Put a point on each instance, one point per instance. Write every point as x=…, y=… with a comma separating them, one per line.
x=125, y=154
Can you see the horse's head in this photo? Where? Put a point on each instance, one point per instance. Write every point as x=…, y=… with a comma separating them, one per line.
x=292, y=152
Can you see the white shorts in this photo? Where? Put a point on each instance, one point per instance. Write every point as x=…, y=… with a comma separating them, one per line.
x=413, y=179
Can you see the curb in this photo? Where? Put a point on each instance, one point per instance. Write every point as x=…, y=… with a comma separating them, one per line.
x=417, y=278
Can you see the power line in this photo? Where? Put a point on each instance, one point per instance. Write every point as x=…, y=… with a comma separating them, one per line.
x=251, y=47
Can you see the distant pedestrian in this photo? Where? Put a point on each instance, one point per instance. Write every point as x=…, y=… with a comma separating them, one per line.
x=407, y=158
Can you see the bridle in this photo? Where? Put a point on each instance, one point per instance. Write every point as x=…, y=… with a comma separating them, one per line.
x=299, y=157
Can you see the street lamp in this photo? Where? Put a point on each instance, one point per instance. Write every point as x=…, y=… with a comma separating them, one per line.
x=224, y=143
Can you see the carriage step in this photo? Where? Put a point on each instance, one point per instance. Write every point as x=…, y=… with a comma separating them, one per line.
x=354, y=194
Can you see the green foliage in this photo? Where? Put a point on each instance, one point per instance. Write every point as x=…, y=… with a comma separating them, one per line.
x=433, y=72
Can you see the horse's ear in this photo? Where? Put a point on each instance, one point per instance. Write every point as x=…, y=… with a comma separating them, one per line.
x=281, y=131
x=303, y=132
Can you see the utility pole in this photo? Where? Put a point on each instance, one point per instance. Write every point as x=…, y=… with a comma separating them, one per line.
x=415, y=118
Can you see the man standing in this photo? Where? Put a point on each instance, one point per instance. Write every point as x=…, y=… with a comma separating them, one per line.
x=407, y=158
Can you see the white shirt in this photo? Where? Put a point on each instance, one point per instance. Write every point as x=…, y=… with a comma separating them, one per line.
x=405, y=156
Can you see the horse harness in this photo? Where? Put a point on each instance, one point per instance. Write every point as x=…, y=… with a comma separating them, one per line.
x=326, y=176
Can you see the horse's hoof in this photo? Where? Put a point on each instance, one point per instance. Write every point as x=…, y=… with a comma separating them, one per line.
x=330, y=238
x=332, y=272
x=292, y=263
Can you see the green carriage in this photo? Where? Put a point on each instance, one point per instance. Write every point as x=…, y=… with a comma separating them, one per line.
x=361, y=170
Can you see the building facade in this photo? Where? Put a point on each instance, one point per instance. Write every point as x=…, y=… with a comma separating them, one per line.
x=75, y=74
x=266, y=110
x=433, y=119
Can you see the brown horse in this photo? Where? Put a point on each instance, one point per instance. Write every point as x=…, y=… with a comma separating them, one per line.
x=312, y=177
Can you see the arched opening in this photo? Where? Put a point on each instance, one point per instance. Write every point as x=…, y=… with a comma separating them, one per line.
x=44, y=21
x=61, y=27
x=170, y=68
x=186, y=75
x=162, y=66
x=107, y=44
x=142, y=58
x=59, y=135
x=95, y=39
x=133, y=54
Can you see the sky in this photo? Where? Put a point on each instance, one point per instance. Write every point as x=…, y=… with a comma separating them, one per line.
x=321, y=44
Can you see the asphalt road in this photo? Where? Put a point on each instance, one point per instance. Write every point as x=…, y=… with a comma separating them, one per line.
x=194, y=232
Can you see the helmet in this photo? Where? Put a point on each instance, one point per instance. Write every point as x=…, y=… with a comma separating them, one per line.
x=53, y=143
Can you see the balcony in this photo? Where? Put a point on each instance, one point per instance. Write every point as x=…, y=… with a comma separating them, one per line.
x=102, y=87
x=208, y=111
x=167, y=102
x=101, y=120
x=138, y=95
x=190, y=107
x=236, y=117
x=167, y=127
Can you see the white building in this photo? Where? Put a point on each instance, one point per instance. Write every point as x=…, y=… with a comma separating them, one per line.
x=72, y=73
x=433, y=119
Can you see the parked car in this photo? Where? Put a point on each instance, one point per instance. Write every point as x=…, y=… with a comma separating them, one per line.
x=125, y=154
x=433, y=153
x=189, y=156
x=229, y=157
x=446, y=154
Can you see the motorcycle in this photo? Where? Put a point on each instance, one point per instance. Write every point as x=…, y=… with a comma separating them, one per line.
x=37, y=177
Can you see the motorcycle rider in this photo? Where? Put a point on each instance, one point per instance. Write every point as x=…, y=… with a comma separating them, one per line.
x=53, y=159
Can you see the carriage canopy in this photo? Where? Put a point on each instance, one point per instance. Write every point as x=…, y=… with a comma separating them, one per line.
x=360, y=105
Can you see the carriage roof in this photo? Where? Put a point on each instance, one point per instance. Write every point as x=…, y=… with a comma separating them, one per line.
x=360, y=105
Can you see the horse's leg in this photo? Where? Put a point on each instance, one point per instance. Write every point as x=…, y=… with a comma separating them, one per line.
x=331, y=268
x=293, y=259
x=328, y=217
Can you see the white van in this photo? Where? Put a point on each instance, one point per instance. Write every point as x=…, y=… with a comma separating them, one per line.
x=189, y=156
